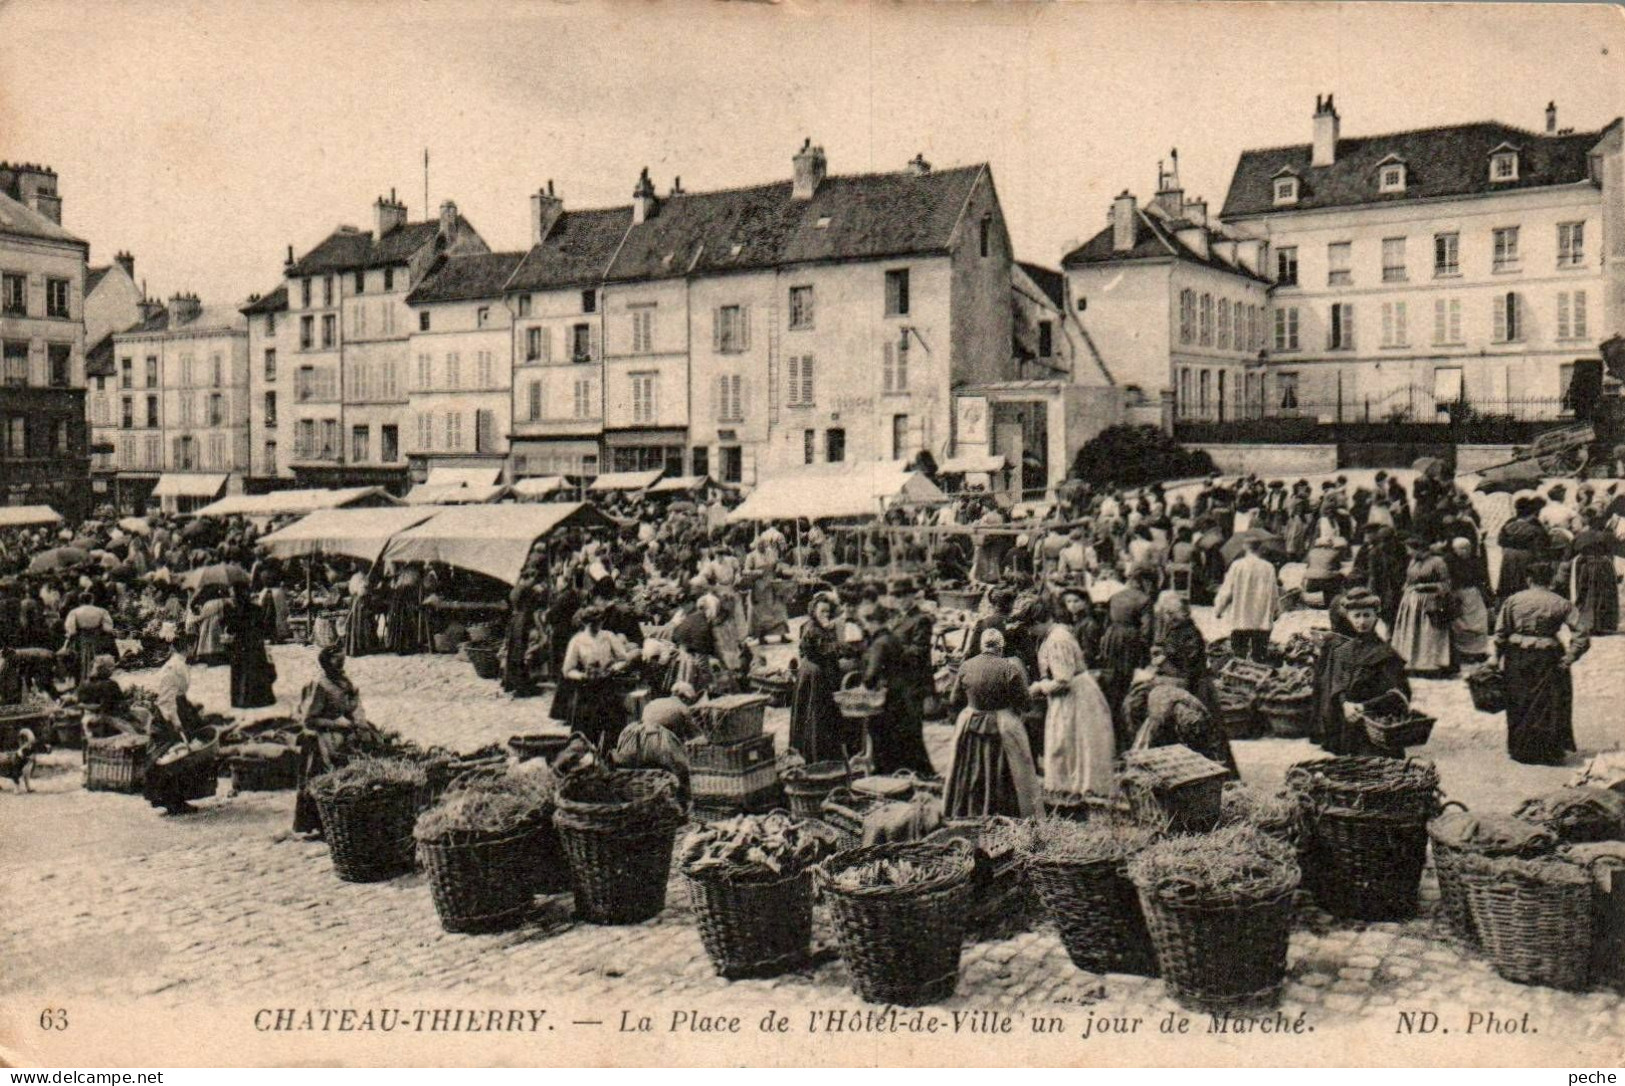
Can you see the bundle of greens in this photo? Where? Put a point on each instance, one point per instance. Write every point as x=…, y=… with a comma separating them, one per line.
x=494, y=806
x=365, y=775
x=765, y=845
x=1061, y=840
x=903, y=871
x=1232, y=865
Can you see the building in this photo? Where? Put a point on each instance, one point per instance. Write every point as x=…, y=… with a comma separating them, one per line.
x=1178, y=305
x=270, y=397
x=460, y=386
x=44, y=449
x=342, y=348
x=182, y=387
x=113, y=303
x=1419, y=269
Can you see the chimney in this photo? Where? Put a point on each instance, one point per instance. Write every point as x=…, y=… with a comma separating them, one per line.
x=545, y=209
x=33, y=186
x=1170, y=197
x=644, y=203
x=808, y=168
x=127, y=262
x=1551, y=118
x=677, y=186
x=1326, y=129
x=918, y=166
x=448, y=222
x=389, y=213
x=1196, y=211
x=184, y=308
x=288, y=263
x=1124, y=224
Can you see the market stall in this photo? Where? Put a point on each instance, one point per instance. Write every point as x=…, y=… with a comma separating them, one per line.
x=625, y=481
x=542, y=488
x=296, y=502
x=491, y=539
x=456, y=494
x=358, y=533
x=27, y=516
x=861, y=490
x=487, y=476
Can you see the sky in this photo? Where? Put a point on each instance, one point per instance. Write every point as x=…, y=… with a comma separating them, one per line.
x=206, y=138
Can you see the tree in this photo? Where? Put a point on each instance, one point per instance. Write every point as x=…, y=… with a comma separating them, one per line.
x=1137, y=455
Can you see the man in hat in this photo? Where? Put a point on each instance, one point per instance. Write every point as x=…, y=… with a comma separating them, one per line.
x=914, y=629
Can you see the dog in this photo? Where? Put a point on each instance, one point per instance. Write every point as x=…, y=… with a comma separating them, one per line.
x=17, y=766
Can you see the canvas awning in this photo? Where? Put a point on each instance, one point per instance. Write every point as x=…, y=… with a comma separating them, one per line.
x=970, y=465
x=491, y=539
x=862, y=490
x=281, y=503
x=539, y=487
x=359, y=533
x=21, y=516
x=188, y=485
x=454, y=494
x=463, y=476
x=626, y=480
x=680, y=484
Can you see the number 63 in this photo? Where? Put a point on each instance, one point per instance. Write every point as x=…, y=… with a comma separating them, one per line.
x=53, y=1018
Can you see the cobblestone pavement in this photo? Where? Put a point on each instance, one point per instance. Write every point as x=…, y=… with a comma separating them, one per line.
x=103, y=898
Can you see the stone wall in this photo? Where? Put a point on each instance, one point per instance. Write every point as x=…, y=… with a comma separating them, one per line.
x=1271, y=460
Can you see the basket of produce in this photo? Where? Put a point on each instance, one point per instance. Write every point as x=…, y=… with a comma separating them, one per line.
x=1278, y=814
x=481, y=846
x=776, y=683
x=1457, y=834
x=1239, y=716
x=1533, y=916
x=1578, y=814
x=263, y=766
x=1605, y=860
x=1079, y=870
x=807, y=786
x=486, y=660
x=368, y=808
x=750, y=885
x=1391, y=724
x=1243, y=676
x=1488, y=687
x=1365, y=865
x=899, y=913
x=742, y=773
x=1219, y=910
x=442, y=767
x=546, y=743
x=1174, y=785
x=1286, y=700
x=617, y=828
x=116, y=764
x=731, y=718
x=857, y=702
x=1369, y=783
x=1003, y=903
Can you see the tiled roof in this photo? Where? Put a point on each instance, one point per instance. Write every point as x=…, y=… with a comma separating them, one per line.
x=24, y=221
x=347, y=249
x=463, y=278
x=577, y=250
x=1048, y=280
x=212, y=318
x=99, y=359
x=1154, y=239
x=1439, y=162
x=274, y=302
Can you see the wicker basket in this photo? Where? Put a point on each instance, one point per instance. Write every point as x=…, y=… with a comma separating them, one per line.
x=1448, y=855
x=1175, y=784
x=1097, y=912
x=1003, y=901
x=807, y=786
x=482, y=633
x=1220, y=955
x=1488, y=687
x=546, y=744
x=618, y=828
x=1365, y=865
x=857, y=702
x=251, y=773
x=901, y=943
x=731, y=718
x=733, y=772
x=845, y=811
x=959, y=599
x=1239, y=717
x=481, y=882
x=1392, y=725
x=485, y=659
x=1369, y=783
x=1535, y=918
x=1287, y=718
x=115, y=765
x=369, y=834
x=752, y=925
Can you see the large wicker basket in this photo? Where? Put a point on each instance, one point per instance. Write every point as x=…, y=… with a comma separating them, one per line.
x=1369, y=783
x=1174, y=784
x=752, y=923
x=485, y=659
x=1535, y=918
x=116, y=764
x=481, y=882
x=618, y=828
x=806, y=786
x=901, y=943
x=731, y=718
x=1003, y=901
x=1097, y=912
x=857, y=702
x=1287, y=718
x=1449, y=853
x=369, y=834
x=1366, y=865
x=1220, y=955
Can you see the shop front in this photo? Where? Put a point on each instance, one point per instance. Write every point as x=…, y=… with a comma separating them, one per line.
x=646, y=450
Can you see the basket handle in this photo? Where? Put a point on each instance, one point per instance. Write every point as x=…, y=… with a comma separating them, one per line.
x=1449, y=803
x=850, y=680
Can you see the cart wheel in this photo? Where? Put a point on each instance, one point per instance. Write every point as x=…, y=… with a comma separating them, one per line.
x=1562, y=462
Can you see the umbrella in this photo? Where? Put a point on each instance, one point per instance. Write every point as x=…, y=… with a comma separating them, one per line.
x=224, y=574
x=136, y=525
x=1233, y=546
x=57, y=558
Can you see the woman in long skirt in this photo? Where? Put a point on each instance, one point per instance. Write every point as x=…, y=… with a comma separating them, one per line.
x=361, y=631
x=818, y=731
x=253, y=676
x=992, y=771
x=897, y=731
x=591, y=662
x=1421, y=632
x=1596, y=586
x=407, y=625
x=1536, y=663
x=1522, y=540
x=1357, y=666
x=1079, y=737
x=1470, y=623
x=333, y=725
x=1124, y=648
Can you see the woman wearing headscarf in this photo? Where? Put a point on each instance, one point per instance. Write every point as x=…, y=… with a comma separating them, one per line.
x=1185, y=649
x=991, y=771
x=1173, y=715
x=818, y=731
x=253, y=676
x=592, y=662
x=1536, y=663
x=332, y=723
x=1421, y=633
x=1080, y=740
x=167, y=783
x=1522, y=540
x=90, y=634
x=1596, y=585
x=1356, y=666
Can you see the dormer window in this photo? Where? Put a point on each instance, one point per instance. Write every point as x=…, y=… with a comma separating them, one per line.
x=1286, y=190
x=1391, y=177
x=1504, y=164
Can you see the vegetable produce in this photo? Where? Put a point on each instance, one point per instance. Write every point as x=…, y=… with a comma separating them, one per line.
x=892, y=873
x=1289, y=682
x=773, y=844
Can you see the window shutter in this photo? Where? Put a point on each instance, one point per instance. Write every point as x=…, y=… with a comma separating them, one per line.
x=807, y=379
x=716, y=329
x=718, y=397
x=888, y=377
x=1500, y=319
x=901, y=376
x=1563, y=315
x=1348, y=324
x=744, y=328
x=1387, y=323
x=1515, y=314
x=1399, y=323
x=742, y=398
x=1579, y=313
x=793, y=367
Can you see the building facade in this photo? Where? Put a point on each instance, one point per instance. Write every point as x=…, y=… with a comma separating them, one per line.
x=113, y=303
x=44, y=447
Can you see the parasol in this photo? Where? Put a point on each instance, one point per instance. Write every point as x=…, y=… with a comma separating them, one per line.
x=58, y=558
x=1268, y=540
x=136, y=525
x=223, y=575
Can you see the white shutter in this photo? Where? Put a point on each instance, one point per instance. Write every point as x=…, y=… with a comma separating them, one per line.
x=901, y=376
x=741, y=398
x=1500, y=333
x=744, y=328
x=1440, y=322
x=1400, y=333
x=807, y=380
x=1387, y=324
x=1579, y=314
x=793, y=371
x=1563, y=327
x=1348, y=324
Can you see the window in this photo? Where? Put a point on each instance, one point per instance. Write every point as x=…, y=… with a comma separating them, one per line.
x=392, y=381
x=217, y=409
x=1571, y=244
x=152, y=412
x=186, y=371
x=733, y=464
x=304, y=444
x=126, y=370
x=1393, y=324
x=360, y=441
x=17, y=435
x=1286, y=266
x=1447, y=320
x=894, y=371
x=59, y=356
x=485, y=431
x=360, y=282
x=186, y=408
x=56, y=298
x=217, y=371
x=1391, y=179
x=1046, y=339
x=801, y=307
x=586, y=404
x=327, y=290
x=1204, y=322
x=454, y=370
x=1286, y=390
x=1222, y=341
x=16, y=363
x=800, y=373
x=897, y=292
x=986, y=235
x=454, y=430
x=307, y=333
x=536, y=340
x=1340, y=327
x=1187, y=316
x=1204, y=381
x=1506, y=248
x=1446, y=254
x=701, y=460
x=589, y=301
x=1447, y=385
x=1286, y=190
x=269, y=458
x=389, y=284
x=423, y=321
x=533, y=401
x=425, y=431
x=1286, y=328
x=1393, y=260
x=899, y=436
x=1504, y=166
x=484, y=372
x=358, y=319
x=581, y=343
x=524, y=305
x=270, y=363
x=304, y=289
x=731, y=329
x=809, y=446
x=14, y=295
x=270, y=324
x=643, y=397
x=642, y=331
x=330, y=439
x=835, y=445
x=1571, y=315
x=1508, y=314
x=1339, y=258
x=126, y=414
x=329, y=330
x=270, y=410
x=730, y=398
x=482, y=316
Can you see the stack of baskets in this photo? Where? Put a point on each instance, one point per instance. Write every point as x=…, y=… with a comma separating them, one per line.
x=1174, y=785
x=807, y=786
x=1367, y=834
x=1457, y=835
x=617, y=829
x=1080, y=874
x=732, y=766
